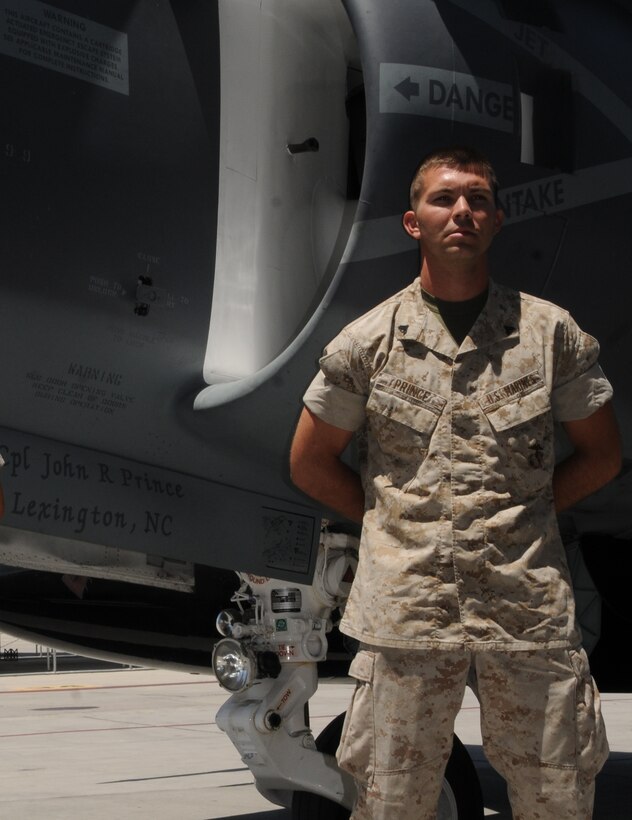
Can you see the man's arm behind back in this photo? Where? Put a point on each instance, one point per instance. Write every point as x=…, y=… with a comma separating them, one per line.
x=595, y=460
x=317, y=469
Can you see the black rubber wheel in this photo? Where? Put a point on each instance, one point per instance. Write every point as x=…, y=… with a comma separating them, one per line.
x=461, y=798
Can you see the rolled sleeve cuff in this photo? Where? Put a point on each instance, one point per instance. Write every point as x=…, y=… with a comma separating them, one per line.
x=334, y=405
x=581, y=397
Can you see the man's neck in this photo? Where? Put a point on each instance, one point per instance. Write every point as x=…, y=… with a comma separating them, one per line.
x=456, y=284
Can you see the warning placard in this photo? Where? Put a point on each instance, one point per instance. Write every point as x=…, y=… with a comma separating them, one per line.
x=46, y=36
x=428, y=91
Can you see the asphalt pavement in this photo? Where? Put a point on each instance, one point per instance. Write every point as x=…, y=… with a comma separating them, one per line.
x=94, y=740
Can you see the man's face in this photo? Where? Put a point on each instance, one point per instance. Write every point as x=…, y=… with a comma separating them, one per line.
x=456, y=216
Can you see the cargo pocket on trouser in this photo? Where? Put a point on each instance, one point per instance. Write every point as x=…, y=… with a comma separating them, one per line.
x=398, y=734
x=356, y=752
x=543, y=730
x=592, y=744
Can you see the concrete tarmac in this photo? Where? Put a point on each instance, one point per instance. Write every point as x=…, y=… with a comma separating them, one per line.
x=136, y=744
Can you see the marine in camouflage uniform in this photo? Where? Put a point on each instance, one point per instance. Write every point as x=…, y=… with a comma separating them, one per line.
x=460, y=547
x=462, y=572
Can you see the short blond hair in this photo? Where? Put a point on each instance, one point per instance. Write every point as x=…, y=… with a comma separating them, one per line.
x=458, y=157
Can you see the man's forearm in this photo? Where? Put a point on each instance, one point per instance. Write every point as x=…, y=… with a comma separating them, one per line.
x=576, y=478
x=334, y=484
x=317, y=469
x=596, y=459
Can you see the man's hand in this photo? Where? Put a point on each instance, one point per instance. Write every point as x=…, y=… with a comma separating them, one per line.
x=596, y=459
x=316, y=468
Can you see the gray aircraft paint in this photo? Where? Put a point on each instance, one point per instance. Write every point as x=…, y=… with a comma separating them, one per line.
x=535, y=42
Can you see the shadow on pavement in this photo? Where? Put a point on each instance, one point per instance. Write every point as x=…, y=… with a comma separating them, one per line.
x=613, y=797
x=613, y=793
x=275, y=814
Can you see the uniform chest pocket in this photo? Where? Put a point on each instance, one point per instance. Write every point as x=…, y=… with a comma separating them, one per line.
x=516, y=403
x=402, y=417
x=522, y=429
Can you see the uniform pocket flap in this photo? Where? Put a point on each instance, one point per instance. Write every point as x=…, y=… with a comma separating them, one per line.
x=517, y=402
x=406, y=403
x=361, y=667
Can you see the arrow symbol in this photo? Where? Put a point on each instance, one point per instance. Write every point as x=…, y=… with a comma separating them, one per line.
x=407, y=88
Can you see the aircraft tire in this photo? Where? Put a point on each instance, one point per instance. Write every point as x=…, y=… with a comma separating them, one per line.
x=461, y=798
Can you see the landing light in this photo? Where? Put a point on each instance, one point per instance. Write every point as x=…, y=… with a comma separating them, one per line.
x=234, y=665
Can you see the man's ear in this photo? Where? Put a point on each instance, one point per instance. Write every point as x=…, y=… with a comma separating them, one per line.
x=411, y=226
x=499, y=219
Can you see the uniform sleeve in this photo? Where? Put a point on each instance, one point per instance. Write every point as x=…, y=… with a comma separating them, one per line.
x=338, y=393
x=580, y=386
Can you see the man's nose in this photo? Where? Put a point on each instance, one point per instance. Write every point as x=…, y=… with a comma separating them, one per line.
x=462, y=207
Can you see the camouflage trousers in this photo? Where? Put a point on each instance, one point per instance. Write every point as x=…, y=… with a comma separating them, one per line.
x=540, y=721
